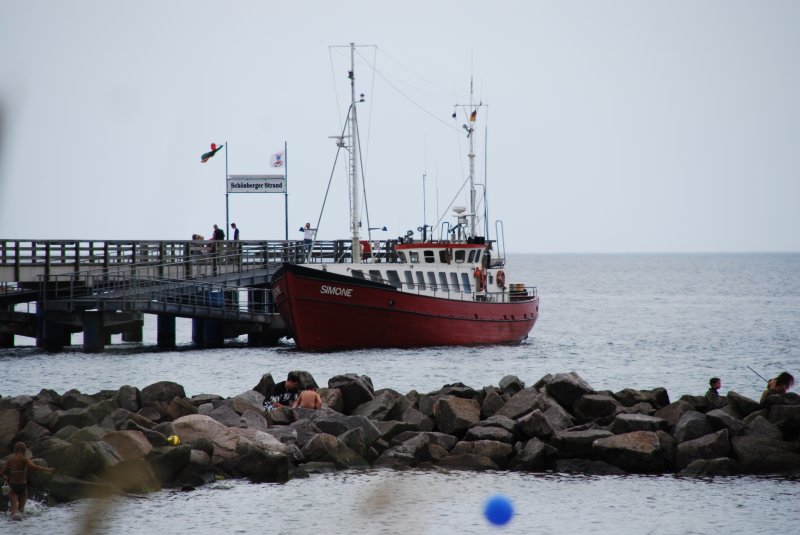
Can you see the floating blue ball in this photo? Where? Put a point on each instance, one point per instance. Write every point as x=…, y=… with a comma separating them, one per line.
x=498, y=510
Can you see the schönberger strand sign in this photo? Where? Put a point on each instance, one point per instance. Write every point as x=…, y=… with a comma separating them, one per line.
x=256, y=184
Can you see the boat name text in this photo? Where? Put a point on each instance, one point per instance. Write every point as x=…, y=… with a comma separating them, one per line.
x=336, y=290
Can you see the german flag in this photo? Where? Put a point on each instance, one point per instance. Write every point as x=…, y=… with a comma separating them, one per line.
x=210, y=154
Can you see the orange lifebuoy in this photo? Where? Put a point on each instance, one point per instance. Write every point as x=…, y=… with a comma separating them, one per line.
x=501, y=279
x=480, y=278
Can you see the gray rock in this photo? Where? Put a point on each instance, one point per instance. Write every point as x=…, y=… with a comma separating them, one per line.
x=168, y=462
x=356, y=389
x=392, y=428
x=254, y=419
x=721, y=419
x=31, y=434
x=707, y=447
x=492, y=402
x=454, y=415
x=498, y=452
x=760, y=455
x=40, y=412
x=511, y=384
x=468, y=461
x=587, y=466
x=521, y=403
x=83, y=459
x=10, y=425
x=78, y=417
x=257, y=465
x=417, y=419
x=129, y=398
x=381, y=407
x=722, y=466
x=786, y=417
x=248, y=400
x=567, y=388
x=535, y=425
x=265, y=384
x=327, y=448
x=533, y=456
x=225, y=415
x=578, y=443
x=163, y=391
x=742, y=404
x=556, y=415
x=66, y=488
x=672, y=413
x=489, y=433
x=591, y=407
x=155, y=438
x=131, y=445
x=763, y=428
x=692, y=425
x=133, y=476
x=626, y=423
x=92, y=433
x=332, y=397
x=337, y=424
x=638, y=452
x=73, y=399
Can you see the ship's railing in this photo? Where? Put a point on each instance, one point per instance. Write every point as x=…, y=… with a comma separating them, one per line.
x=521, y=293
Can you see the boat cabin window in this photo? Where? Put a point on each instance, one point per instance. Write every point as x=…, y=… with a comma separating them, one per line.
x=421, y=280
x=429, y=258
x=432, y=280
x=375, y=275
x=414, y=256
x=465, y=282
x=443, y=280
x=454, y=281
x=357, y=273
x=402, y=257
x=472, y=255
x=460, y=256
x=394, y=278
x=409, y=279
x=444, y=256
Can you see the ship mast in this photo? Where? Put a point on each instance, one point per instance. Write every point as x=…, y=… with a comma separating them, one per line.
x=472, y=193
x=353, y=131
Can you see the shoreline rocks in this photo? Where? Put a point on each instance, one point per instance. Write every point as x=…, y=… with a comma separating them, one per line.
x=116, y=441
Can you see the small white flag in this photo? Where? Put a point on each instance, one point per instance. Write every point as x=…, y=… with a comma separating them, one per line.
x=278, y=160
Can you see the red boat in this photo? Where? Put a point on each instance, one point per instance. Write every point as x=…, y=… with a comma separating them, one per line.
x=405, y=293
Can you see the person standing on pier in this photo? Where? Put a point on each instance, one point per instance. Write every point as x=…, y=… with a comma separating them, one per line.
x=308, y=238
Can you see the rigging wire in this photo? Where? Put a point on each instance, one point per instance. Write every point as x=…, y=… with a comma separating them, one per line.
x=330, y=180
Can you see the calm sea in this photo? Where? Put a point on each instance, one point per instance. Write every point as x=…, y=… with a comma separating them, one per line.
x=640, y=321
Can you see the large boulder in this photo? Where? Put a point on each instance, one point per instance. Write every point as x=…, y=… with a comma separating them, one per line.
x=577, y=443
x=328, y=448
x=521, y=403
x=498, y=452
x=786, y=417
x=763, y=428
x=257, y=464
x=254, y=419
x=533, y=456
x=454, y=415
x=336, y=424
x=225, y=415
x=382, y=406
x=265, y=384
x=356, y=389
x=692, y=425
x=492, y=402
x=163, y=391
x=638, y=451
x=468, y=461
x=722, y=419
x=762, y=455
x=567, y=388
x=590, y=407
x=194, y=426
x=79, y=417
x=511, y=384
x=74, y=399
x=556, y=415
x=707, y=447
x=672, y=413
x=248, y=400
x=10, y=425
x=493, y=433
x=131, y=445
x=535, y=425
x=722, y=466
x=86, y=458
x=168, y=462
x=743, y=405
x=626, y=423
x=128, y=398
x=66, y=488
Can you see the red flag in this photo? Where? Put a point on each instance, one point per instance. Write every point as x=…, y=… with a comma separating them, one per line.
x=214, y=149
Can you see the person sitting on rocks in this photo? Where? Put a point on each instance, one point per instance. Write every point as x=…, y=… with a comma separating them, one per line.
x=308, y=399
x=283, y=394
x=778, y=385
x=16, y=469
x=714, y=399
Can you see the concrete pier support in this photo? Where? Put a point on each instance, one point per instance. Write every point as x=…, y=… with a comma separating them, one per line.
x=133, y=332
x=197, y=332
x=94, y=336
x=166, y=331
x=6, y=339
x=51, y=335
x=213, y=333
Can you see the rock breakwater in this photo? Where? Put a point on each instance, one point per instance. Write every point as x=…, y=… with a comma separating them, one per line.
x=116, y=440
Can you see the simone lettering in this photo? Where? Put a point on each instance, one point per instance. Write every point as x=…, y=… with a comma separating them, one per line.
x=336, y=290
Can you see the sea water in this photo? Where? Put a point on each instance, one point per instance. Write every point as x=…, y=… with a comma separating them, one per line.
x=639, y=321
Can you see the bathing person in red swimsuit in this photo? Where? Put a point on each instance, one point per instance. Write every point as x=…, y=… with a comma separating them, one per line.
x=16, y=469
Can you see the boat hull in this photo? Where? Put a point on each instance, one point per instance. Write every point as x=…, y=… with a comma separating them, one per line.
x=326, y=311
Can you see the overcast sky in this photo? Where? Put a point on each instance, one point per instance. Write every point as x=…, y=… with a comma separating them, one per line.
x=613, y=126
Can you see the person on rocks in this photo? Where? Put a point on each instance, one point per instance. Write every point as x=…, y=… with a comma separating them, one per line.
x=16, y=470
x=715, y=400
x=778, y=385
x=308, y=399
x=283, y=394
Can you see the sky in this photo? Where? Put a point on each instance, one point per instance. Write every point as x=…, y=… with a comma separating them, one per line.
x=611, y=126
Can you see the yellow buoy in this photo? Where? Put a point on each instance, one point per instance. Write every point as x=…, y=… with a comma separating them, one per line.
x=173, y=440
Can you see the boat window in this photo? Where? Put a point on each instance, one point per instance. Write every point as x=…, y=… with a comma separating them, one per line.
x=443, y=254
x=394, y=278
x=357, y=273
x=409, y=279
x=414, y=256
x=429, y=258
x=460, y=255
x=421, y=280
x=432, y=280
x=465, y=282
x=472, y=256
x=375, y=275
x=443, y=280
x=454, y=281
x=402, y=257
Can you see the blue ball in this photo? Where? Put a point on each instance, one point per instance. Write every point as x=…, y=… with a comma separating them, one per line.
x=498, y=510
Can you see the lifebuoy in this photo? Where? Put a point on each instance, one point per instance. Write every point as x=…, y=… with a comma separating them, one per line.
x=501, y=279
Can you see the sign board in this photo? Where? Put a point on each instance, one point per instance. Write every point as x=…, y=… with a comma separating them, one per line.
x=256, y=184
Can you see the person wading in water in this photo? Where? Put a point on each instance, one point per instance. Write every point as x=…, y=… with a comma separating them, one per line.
x=16, y=469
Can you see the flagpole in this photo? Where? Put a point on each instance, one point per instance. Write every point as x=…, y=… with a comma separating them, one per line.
x=286, y=192
x=227, y=211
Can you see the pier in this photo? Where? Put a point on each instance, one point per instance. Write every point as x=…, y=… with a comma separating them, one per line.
x=50, y=289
